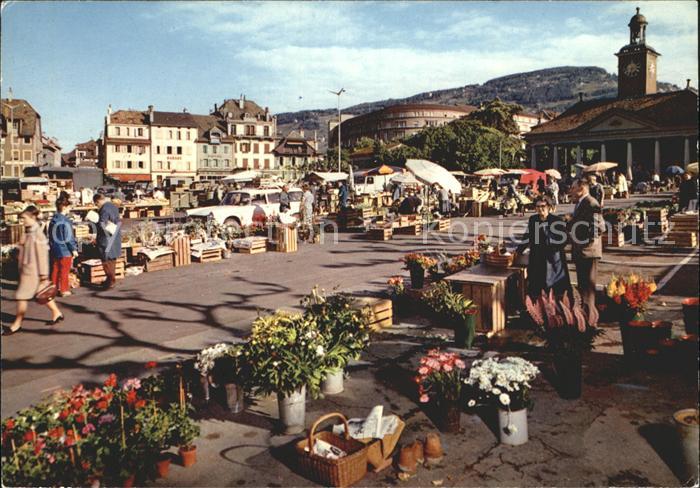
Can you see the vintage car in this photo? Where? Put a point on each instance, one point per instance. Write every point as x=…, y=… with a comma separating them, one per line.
x=241, y=208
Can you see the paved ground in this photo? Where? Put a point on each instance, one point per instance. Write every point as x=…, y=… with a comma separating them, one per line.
x=169, y=314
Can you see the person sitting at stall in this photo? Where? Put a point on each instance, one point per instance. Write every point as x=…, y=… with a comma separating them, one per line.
x=546, y=237
x=410, y=205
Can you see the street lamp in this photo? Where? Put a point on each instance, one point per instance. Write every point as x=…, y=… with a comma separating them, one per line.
x=338, y=93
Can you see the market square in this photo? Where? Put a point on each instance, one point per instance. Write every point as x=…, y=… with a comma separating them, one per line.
x=476, y=290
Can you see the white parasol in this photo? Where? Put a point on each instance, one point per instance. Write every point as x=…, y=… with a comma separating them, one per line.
x=248, y=175
x=597, y=167
x=404, y=179
x=553, y=173
x=489, y=172
x=431, y=173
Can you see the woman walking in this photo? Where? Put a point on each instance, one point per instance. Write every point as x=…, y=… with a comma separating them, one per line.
x=62, y=247
x=546, y=238
x=33, y=268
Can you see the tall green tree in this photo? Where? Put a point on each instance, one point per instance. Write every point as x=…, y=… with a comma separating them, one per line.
x=498, y=115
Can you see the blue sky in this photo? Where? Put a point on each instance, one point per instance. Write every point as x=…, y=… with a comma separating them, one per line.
x=72, y=59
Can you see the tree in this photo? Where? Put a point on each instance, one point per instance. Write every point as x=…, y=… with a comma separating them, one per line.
x=498, y=115
x=363, y=142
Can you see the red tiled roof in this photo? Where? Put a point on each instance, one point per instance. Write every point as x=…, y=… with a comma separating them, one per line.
x=129, y=117
x=232, y=106
x=173, y=119
x=19, y=109
x=663, y=110
x=294, y=145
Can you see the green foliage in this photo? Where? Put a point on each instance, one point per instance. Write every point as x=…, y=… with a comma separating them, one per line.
x=183, y=430
x=447, y=304
x=364, y=142
x=498, y=115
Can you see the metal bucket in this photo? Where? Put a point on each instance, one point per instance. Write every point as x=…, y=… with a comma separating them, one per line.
x=688, y=436
x=332, y=384
x=512, y=426
x=235, y=397
x=292, y=410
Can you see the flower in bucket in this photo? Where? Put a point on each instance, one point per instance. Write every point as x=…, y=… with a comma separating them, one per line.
x=440, y=375
x=396, y=284
x=414, y=259
x=502, y=382
x=630, y=292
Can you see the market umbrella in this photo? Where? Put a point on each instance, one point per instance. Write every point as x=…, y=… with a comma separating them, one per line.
x=553, y=173
x=248, y=175
x=515, y=171
x=674, y=170
x=489, y=172
x=405, y=179
x=692, y=168
x=597, y=167
x=431, y=173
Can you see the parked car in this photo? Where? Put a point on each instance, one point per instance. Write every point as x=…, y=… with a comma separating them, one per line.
x=241, y=208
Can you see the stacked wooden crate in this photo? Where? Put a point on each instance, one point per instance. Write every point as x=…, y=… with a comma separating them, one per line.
x=92, y=272
x=183, y=252
x=251, y=245
x=81, y=231
x=161, y=263
x=11, y=234
x=379, y=311
x=209, y=256
x=285, y=238
x=614, y=238
x=442, y=225
x=656, y=222
x=684, y=231
x=380, y=233
x=355, y=218
x=410, y=229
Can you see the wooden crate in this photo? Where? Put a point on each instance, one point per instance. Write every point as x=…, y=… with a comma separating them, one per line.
x=11, y=234
x=681, y=239
x=166, y=211
x=209, y=256
x=81, y=231
x=131, y=214
x=684, y=223
x=380, y=234
x=411, y=230
x=379, y=310
x=286, y=239
x=258, y=245
x=150, y=213
x=160, y=263
x=613, y=239
x=94, y=273
x=183, y=251
x=406, y=220
x=442, y=225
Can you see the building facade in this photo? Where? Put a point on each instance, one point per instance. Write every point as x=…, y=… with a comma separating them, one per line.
x=173, y=147
x=23, y=138
x=86, y=154
x=215, y=156
x=126, y=154
x=396, y=122
x=294, y=154
x=252, y=129
x=50, y=153
x=641, y=130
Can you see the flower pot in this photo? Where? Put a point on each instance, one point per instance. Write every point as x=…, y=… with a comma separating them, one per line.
x=235, y=397
x=418, y=452
x=512, y=426
x=691, y=306
x=636, y=338
x=163, y=467
x=465, y=331
x=129, y=482
x=292, y=410
x=407, y=460
x=449, y=416
x=188, y=455
x=687, y=427
x=569, y=375
x=332, y=384
x=417, y=277
x=433, y=449
x=204, y=382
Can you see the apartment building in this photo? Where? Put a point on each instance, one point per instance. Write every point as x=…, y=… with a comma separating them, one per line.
x=22, y=143
x=127, y=146
x=173, y=147
x=215, y=155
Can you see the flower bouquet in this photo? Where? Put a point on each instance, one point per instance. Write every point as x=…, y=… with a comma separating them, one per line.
x=461, y=262
x=630, y=294
x=452, y=307
x=417, y=264
x=568, y=331
x=440, y=376
x=506, y=384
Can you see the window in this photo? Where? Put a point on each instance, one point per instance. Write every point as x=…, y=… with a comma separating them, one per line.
x=267, y=149
x=139, y=131
x=215, y=163
x=273, y=198
x=141, y=164
x=168, y=163
x=225, y=149
x=258, y=200
x=213, y=150
x=15, y=155
x=179, y=135
x=129, y=164
x=157, y=149
x=256, y=147
x=27, y=140
x=27, y=155
x=169, y=150
x=128, y=148
x=187, y=135
x=250, y=130
x=245, y=147
x=117, y=131
x=245, y=162
x=117, y=164
x=179, y=149
x=170, y=134
x=205, y=149
x=227, y=163
x=159, y=165
x=266, y=131
x=127, y=131
x=256, y=163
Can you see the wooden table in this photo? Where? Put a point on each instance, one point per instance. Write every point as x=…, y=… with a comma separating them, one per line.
x=488, y=287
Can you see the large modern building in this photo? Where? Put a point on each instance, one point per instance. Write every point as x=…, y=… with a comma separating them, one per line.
x=396, y=122
x=22, y=141
x=642, y=130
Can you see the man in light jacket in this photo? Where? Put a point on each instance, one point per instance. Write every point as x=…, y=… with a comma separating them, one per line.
x=109, y=238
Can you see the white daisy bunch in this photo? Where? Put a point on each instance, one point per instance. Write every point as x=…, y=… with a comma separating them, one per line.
x=502, y=379
x=206, y=357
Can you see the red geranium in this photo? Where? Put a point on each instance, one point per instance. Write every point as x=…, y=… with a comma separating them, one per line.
x=140, y=404
x=131, y=397
x=29, y=436
x=111, y=381
x=10, y=424
x=151, y=365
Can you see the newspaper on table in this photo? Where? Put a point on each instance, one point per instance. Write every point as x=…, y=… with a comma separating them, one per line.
x=374, y=426
x=326, y=450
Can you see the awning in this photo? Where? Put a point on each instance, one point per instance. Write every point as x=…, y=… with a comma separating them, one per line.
x=127, y=177
x=329, y=176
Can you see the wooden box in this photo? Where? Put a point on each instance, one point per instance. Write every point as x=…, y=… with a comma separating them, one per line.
x=442, y=225
x=81, y=231
x=256, y=245
x=286, y=239
x=160, y=263
x=11, y=234
x=411, y=230
x=406, y=220
x=209, y=255
x=379, y=310
x=150, y=213
x=380, y=234
x=613, y=239
x=92, y=272
x=684, y=223
x=681, y=239
x=166, y=211
x=131, y=214
x=183, y=252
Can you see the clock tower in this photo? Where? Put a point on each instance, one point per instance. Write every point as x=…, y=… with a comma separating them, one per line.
x=636, y=62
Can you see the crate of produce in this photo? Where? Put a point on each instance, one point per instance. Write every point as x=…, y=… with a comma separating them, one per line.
x=92, y=272
x=406, y=220
x=161, y=263
x=182, y=249
x=250, y=245
x=380, y=233
x=11, y=234
x=209, y=256
x=411, y=229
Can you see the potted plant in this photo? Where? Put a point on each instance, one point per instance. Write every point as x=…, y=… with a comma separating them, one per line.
x=417, y=264
x=504, y=383
x=483, y=246
x=224, y=364
x=568, y=331
x=183, y=432
x=286, y=352
x=397, y=293
x=453, y=308
x=344, y=328
x=461, y=262
x=440, y=376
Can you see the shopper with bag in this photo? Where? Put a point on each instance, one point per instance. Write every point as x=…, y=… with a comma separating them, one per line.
x=62, y=247
x=109, y=238
x=34, y=271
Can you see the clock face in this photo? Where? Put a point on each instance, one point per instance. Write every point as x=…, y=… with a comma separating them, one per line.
x=632, y=69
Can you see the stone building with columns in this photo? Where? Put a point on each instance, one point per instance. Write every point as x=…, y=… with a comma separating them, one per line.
x=642, y=130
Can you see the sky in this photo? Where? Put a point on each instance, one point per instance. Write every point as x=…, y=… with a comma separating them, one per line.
x=70, y=60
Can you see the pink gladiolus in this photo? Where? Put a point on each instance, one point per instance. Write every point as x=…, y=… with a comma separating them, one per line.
x=88, y=428
x=447, y=367
x=460, y=364
x=423, y=370
x=424, y=398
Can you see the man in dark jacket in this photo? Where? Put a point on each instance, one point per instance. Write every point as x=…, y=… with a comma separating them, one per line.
x=109, y=238
x=585, y=228
x=687, y=191
x=596, y=189
x=284, y=199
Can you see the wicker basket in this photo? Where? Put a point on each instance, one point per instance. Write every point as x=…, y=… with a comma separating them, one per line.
x=333, y=472
x=499, y=260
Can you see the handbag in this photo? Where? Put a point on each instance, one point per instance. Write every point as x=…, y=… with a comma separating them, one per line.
x=46, y=293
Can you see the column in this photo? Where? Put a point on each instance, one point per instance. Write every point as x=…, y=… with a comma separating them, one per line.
x=555, y=157
x=629, y=156
x=533, y=157
x=657, y=157
x=603, y=154
x=686, y=152
x=579, y=154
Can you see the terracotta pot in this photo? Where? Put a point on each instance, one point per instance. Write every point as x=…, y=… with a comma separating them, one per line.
x=418, y=452
x=433, y=448
x=129, y=482
x=691, y=311
x=163, y=467
x=449, y=416
x=407, y=460
x=188, y=455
